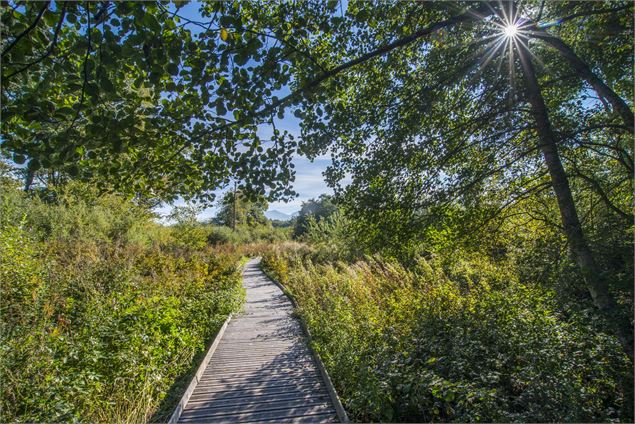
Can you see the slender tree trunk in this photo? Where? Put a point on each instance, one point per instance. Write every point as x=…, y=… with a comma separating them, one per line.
x=591, y=272
x=28, y=180
x=584, y=71
x=234, y=209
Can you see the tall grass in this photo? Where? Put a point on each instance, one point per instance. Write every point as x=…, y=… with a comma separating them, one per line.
x=102, y=309
x=466, y=344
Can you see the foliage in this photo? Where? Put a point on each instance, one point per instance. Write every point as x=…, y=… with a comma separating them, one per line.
x=466, y=344
x=427, y=123
x=443, y=146
x=100, y=316
x=118, y=93
x=187, y=230
x=320, y=208
x=236, y=209
x=332, y=237
x=220, y=235
x=90, y=83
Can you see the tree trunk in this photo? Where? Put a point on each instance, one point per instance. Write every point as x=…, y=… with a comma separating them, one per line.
x=28, y=179
x=584, y=71
x=596, y=285
x=234, y=209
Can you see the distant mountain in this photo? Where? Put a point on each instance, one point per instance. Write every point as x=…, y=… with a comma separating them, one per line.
x=279, y=216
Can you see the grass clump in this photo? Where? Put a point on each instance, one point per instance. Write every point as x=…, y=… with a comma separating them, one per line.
x=417, y=345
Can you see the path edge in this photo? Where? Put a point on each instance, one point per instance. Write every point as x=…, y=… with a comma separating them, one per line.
x=180, y=407
x=339, y=408
x=199, y=373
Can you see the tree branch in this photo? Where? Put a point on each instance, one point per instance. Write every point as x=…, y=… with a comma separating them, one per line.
x=479, y=12
x=595, y=185
x=593, y=12
x=475, y=13
x=48, y=51
x=26, y=31
x=584, y=71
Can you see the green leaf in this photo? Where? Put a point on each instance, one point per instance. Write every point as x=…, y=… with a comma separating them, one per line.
x=220, y=108
x=73, y=170
x=18, y=158
x=34, y=165
x=66, y=110
x=50, y=18
x=106, y=84
x=173, y=68
x=151, y=22
x=92, y=89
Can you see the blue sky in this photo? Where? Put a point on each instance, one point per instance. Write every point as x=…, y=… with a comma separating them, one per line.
x=309, y=181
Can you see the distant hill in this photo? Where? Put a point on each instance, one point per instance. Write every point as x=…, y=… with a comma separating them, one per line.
x=279, y=216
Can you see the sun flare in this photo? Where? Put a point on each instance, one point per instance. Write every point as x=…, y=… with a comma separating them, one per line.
x=510, y=30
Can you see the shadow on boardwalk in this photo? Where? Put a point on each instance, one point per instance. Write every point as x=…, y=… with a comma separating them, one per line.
x=262, y=369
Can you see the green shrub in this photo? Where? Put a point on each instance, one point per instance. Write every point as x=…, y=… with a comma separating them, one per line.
x=219, y=235
x=99, y=322
x=419, y=345
x=75, y=212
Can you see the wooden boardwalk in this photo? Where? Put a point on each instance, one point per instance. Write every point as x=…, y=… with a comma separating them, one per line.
x=262, y=369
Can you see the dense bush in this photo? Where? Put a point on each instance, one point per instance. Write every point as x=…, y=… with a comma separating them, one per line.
x=102, y=309
x=219, y=235
x=417, y=345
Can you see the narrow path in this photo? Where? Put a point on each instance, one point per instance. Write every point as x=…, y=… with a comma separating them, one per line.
x=262, y=369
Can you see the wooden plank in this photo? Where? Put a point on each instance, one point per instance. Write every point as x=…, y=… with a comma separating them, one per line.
x=261, y=343
x=270, y=360
x=259, y=367
x=317, y=418
x=260, y=380
x=289, y=383
x=255, y=368
x=261, y=377
x=219, y=367
x=250, y=348
x=215, y=410
x=262, y=396
x=262, y=356
x=259, y=362
x=219, y=392
x=260, y=415
x=258, y=371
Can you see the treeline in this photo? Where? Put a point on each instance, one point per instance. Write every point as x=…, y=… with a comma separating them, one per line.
x=239, y=220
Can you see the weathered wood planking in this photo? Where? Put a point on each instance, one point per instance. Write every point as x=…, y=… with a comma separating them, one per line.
x=262, y=369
